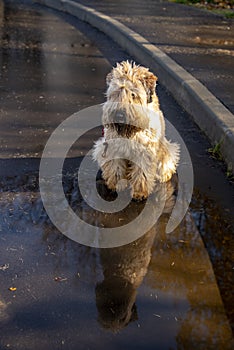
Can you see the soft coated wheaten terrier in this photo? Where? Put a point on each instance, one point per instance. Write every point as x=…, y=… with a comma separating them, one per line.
x=134, y=151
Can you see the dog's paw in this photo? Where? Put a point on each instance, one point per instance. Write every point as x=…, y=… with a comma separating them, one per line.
x=140, y=189
x=139, y=199
x=139, y=196
x=111, y=185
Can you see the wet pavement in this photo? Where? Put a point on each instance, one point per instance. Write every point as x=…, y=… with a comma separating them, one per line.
x=198, y=40
x=159, y=292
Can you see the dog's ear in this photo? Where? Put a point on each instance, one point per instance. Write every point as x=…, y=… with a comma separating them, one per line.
x=151, y=80
x=148, y=80
x=150, y=85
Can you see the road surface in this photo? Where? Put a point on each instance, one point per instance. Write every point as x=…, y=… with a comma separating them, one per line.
x=158, y=293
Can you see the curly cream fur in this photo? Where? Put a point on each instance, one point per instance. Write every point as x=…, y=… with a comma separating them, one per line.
x=134, y=150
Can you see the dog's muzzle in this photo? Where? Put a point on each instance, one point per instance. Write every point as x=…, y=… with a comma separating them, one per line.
x=120, y=123
x=119, y=117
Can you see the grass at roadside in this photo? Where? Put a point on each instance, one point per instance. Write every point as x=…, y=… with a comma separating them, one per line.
x=215, y=152
x=221, y=7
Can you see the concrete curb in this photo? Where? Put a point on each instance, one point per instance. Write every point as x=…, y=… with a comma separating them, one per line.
x=207, y=111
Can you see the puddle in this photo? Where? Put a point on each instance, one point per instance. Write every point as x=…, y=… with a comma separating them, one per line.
x=159, y=284
x=159, y=292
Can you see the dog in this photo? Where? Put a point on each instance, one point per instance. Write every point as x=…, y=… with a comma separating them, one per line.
x=134, y=151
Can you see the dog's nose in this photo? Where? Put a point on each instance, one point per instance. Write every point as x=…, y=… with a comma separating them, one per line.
x=120, y=117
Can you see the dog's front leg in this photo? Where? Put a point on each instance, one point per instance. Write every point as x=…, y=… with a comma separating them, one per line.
x=141, y=181
x=113, y=171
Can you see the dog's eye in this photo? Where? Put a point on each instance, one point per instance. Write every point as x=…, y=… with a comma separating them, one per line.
x=133, y=95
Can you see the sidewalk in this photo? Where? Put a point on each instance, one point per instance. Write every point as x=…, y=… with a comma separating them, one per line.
x=199, y=41
x=173, y=41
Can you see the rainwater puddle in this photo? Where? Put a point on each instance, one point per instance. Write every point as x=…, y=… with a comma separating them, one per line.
x=158, y=292
x=56, y=291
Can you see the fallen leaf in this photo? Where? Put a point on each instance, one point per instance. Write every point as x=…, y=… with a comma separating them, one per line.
x=12, y=289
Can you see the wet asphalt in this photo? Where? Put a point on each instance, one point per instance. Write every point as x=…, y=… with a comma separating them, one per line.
x=200, y=41
x=157, y=293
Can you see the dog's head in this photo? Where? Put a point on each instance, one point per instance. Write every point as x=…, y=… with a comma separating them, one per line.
x=130, y=97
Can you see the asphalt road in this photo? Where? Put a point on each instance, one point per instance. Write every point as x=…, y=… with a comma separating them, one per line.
x=56, y=293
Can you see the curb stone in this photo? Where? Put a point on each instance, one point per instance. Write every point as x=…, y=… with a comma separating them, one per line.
x=207, y=111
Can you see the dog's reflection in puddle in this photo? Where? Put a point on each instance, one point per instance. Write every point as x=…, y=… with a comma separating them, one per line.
x=124, y=267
